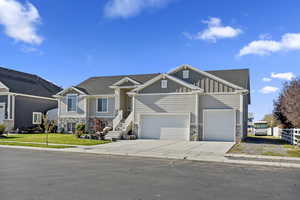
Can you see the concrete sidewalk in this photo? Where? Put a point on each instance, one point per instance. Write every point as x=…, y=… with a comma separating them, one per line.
x=194, y=151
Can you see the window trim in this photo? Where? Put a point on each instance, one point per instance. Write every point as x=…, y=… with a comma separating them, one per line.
x=186, y=74
x=76, y=103
x=97, y=103
x=164, y=83
x=39, y=118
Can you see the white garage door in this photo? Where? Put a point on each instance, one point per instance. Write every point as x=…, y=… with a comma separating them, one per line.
x=219, y=125
x=165, y=127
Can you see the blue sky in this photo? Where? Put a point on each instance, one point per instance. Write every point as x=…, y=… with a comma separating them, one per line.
x=67, y=41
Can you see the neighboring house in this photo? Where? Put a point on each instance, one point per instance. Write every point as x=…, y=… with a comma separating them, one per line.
x=21, y=95
x=250, y=123
x=184, y=104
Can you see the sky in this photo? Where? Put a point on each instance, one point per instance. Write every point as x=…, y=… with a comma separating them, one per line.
x=67, y=41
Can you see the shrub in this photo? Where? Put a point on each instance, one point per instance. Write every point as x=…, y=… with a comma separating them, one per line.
x=2, y=129
x=80, y=129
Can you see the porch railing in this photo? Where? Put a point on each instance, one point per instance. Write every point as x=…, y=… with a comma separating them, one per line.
x=128, y=123
x=117, y=119
x=291, y=136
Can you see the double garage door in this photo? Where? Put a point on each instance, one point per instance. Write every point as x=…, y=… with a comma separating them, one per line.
x=165, y=126
x=218, y=125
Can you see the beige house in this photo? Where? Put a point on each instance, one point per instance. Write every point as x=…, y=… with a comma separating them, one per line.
x=183, y=104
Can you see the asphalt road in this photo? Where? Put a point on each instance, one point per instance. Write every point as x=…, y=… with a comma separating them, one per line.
x=34, y=175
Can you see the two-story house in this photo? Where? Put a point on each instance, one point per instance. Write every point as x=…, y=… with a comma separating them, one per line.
x=184, y=104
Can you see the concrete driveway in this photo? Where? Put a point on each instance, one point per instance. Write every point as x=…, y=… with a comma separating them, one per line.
x=163, y=148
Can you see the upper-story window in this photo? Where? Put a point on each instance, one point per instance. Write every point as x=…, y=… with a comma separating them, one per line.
x=71, y=102
x=102, y=105
x=185, y=74
x=164, y=83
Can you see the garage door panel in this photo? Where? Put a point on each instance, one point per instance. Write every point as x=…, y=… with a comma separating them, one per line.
x=219, y=125
x=167, y=127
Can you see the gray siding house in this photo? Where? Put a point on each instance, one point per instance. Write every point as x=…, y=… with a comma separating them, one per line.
x=183, y=104
x=22, y=94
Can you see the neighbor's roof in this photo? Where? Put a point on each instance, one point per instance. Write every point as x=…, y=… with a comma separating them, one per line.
x=20, y=82
x=100, y=84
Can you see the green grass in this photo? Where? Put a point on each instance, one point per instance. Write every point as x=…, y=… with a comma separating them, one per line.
x=35, y=145
x=52, y=138
x=269, y=153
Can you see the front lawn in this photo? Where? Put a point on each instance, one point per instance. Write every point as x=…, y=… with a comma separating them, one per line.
x=267, y=146
x=35, y=145
x=53, y=138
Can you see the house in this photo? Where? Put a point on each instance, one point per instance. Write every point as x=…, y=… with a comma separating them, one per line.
x=184, y=104
x=21, y=95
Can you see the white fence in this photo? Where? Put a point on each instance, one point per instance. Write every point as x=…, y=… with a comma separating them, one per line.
x=292, y=136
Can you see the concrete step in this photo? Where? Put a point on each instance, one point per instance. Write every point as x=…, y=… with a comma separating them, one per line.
x=113, y=135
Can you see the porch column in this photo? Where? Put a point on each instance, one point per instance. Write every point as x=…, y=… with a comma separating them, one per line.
x=117, y=99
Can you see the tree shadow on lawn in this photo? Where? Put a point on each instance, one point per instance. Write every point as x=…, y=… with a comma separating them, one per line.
x=263, y=140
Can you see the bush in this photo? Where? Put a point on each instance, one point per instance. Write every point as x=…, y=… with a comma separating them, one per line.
x=2, y=129
x=80, y=129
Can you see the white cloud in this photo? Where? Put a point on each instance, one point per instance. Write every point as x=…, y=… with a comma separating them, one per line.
x=265, y=79
x=20, y=20
x=129, y=8
x=288, y=42
x=215, y=31
x=268, y=89
x=285, y=76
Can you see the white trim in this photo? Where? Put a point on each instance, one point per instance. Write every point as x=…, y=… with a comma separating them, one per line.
x=126, y=79
x=164, y=83
x=101, y=96
x=211, y=109
x=157, y=113
x=97, y=101
x=2, y=85
x=242, y=116
x=39, y=118
x=77, y=100
x=162, y=76
x=206, y=74
x=13, y=107
x=8, y=106
x=185, y=74
x=27, y=95
x=172, y=93
x=66, y=89
x=104, y=116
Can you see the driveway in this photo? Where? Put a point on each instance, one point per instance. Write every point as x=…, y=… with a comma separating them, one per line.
x=163, y=148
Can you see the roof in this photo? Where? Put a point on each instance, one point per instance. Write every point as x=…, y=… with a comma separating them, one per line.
x=239, y=77
x=20, y=82
x=100, y=84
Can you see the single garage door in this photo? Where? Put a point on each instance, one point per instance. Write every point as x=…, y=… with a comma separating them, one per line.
x=219, y=125
x=165, y=126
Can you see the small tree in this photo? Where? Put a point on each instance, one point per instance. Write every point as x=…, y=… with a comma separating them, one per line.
x=287, y=106
x=271, y=120
x=2, y=129
x=80, y=129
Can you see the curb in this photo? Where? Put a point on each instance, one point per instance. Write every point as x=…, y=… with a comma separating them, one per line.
x=218, y=159
x=263, y=157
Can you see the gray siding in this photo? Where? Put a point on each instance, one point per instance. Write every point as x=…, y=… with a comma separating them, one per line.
x=81, y=107
x=204, y=82
x=172, y=87
x=3, y=99
x=25, y=106
x=226, y=101
x=92, y=108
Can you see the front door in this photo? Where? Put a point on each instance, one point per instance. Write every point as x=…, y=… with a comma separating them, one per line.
x=2, y=112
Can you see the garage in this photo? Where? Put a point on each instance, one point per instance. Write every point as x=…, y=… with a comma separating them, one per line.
x=165, y=126
x=219, y=125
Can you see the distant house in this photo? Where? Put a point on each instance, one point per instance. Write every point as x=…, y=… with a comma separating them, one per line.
x=21, y=95
x=183, y=104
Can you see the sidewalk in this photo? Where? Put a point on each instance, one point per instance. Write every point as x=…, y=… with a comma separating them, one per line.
x=204, y=157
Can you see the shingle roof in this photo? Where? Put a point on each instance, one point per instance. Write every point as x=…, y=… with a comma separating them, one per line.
x=20, y=82
x=100, y=84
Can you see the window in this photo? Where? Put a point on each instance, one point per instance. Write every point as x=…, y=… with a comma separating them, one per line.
x=164, y=83
x=72, y=103
x=36, y=118
x=102, y=105
x=185, y=74
x=71, y=127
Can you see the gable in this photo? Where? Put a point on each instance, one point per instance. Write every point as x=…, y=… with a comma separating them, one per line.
x=172, y=87
x=3, y=88
x=206, y=83
x=70, y=90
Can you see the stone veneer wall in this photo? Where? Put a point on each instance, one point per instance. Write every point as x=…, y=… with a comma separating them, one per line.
x=63, y=122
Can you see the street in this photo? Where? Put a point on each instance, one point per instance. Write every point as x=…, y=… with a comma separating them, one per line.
x=32, y=175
